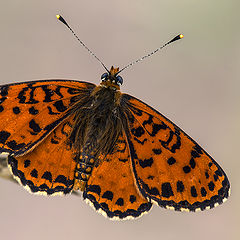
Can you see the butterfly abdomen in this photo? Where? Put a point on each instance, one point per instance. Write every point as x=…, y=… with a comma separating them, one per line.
x=96, y=129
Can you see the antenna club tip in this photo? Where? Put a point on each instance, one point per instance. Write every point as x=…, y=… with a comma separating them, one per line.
x=181, y=36
x=58, y=16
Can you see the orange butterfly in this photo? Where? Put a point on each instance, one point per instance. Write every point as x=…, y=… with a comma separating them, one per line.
x=64, y=135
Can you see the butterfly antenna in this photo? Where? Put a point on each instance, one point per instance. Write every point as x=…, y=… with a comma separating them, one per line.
x=60, y=18
x=151, y=53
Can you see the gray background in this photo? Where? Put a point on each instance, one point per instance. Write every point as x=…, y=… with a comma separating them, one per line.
x=194, y=82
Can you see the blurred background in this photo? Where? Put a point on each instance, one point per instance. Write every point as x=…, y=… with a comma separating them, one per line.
x=194, y=82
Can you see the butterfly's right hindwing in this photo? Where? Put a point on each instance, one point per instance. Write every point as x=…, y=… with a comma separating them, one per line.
x=111, y=188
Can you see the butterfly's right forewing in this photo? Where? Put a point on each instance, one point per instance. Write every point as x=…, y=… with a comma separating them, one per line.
x=169, y=167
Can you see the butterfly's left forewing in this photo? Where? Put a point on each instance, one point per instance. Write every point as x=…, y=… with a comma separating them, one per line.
x=30, y=111
x=170, y=168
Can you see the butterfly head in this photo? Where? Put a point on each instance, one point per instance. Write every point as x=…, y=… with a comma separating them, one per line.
x=112, y=79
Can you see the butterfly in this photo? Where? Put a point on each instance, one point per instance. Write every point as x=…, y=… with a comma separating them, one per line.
x=65, y=135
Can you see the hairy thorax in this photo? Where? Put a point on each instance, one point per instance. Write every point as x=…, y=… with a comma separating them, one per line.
x=97, y=127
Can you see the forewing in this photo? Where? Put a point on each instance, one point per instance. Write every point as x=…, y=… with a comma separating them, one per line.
x=169, y=167
x=111, y=189
x=30, y=111
x=49, y=168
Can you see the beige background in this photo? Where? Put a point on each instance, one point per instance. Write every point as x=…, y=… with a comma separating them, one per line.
x=195, y=82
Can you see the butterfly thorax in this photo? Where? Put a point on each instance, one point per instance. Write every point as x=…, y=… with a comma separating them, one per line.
x=97, y=127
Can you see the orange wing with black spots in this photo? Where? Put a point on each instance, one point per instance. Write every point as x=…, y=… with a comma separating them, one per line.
x=111, y=188
x=169, y=167
x=30, y=111
x=49, y=168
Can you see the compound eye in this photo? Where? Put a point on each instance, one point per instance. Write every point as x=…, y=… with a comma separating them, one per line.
x=104, y=76
x=119, y=80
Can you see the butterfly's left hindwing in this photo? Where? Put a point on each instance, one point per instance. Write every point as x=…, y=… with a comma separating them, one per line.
x=49, y=168
x=170, y=168
x=30, y=111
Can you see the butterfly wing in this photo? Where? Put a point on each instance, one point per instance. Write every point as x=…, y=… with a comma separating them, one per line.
x=169, y=167
x=30, y=111
x=49, y=168
x=111, y=189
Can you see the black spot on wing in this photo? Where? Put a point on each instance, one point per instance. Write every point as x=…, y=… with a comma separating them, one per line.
x=211, y=186
x=1, y=108
x=123, y=160
x=27, y=163
x=146, y=162
x=4, y=91
x=61, y=179
x=171, y=161
x=35, y=127
x=177, y=145
x=58, y=92
x=16, y=110
x=4, y=136
x=186, y=169
x=203, y=192
x=157, y=151
x=48, y=94
x=34, y=173
x=225, y=183
x=167, y=190
x=152, y=191
x=166, y=143
x=22, y=95
x=180, y=186
x=53, y=141
x=149, y=121
x=14, y=146
x=60, y=106
x=108, y=195
x=218, y=172
x=150, y=177
x=157, y=127
x=192, y=163
x=33, y=111
x=50, y=111
x=193, y=191
x=94, y=188
x=137, y=132
x=120, y=202
x=48, y=176
x=132, y=199
x=141, y=142
x=215, y=176
x=172, y=135
x=195, y=154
